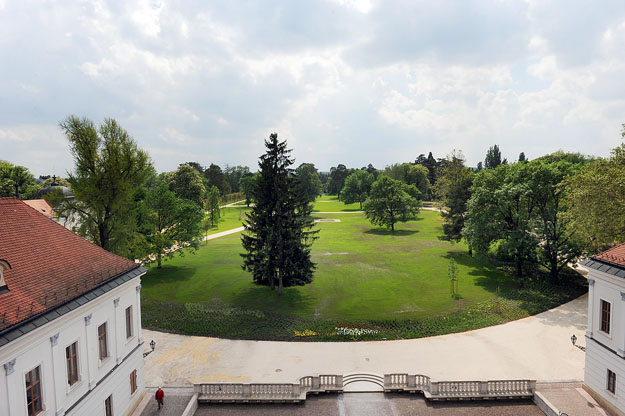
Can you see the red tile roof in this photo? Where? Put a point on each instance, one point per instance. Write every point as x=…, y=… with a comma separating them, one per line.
x=50, y=265
x=615, y=255
x=42, y=206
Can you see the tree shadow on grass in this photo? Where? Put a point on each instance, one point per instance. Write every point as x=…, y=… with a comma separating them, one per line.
x=396, y=233
x=167, y=274
x=487, y=276
x=263, y=298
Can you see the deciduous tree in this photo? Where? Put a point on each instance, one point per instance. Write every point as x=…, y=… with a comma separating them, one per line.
x=391, y=201
x=174, y=223
x=596, y=199
x=307, y=184
x=453, y=189
x=186, y=183
x=109, y=166
x=357, y=187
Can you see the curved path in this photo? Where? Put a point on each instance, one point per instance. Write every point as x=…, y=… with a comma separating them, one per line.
x=538, y=347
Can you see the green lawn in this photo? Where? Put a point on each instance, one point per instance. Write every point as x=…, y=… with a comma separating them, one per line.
x=394, y=284
x=231, y=217
x=331, y=203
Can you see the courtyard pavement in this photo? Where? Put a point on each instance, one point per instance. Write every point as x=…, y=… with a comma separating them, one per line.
x=538, y=347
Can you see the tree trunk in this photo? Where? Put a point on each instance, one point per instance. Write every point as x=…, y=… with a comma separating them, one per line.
x=553, y=271
x=158, y=260
x=280, y=282
x=104, y=237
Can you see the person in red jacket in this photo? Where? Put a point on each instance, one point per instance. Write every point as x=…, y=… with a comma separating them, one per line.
x=159, y=396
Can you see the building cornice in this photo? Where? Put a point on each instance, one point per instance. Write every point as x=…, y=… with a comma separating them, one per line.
x=14, y=332
x=604, y=266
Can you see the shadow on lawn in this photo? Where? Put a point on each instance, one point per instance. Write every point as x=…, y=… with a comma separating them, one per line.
x=396, y=233
x=167, y=274
x=263, y=298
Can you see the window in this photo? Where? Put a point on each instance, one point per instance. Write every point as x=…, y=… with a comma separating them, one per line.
x=611, y=381
x=108, y=406
x=33, y=392
x=605, y=316
x=104, y=352
x=133, y=381
x=71, y=355
x=129, y=322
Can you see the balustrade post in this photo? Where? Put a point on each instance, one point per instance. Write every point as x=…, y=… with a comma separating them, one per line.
x=339, y=382
x=484, y=387
x=315, y=383
x=434, y=388
x=412, y=380
x=247, y=390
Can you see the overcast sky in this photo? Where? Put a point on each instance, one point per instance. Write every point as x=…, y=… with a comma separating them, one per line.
x=344, y=81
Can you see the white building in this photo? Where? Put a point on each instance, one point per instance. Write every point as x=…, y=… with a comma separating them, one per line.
x=70, y=321
x=604, y=375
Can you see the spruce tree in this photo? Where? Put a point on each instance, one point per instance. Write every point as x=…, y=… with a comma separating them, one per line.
x=279, y=235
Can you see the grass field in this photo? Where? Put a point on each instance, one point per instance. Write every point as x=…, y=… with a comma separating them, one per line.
x=231, y=217
x=380, y=284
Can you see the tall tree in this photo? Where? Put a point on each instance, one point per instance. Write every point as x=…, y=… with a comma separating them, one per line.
x=307, y=184
x=17, y=181
x=453, y=189
x=522, y=157
x=108, y=168
x=196, y=166
x=212, y=205
x=391, y=201
x=337, y=178
x=215, y=176
x=234, y=174
x=246, y=185
x=357, y=187
x=501, y=209
x=493, y=157
x=410, y=174
x=174, y=223
x=186, y=183
x=596, y=200
x=279, y=233
x=560, y=244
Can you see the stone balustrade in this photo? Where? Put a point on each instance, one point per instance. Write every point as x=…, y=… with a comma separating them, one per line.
x=397, y=382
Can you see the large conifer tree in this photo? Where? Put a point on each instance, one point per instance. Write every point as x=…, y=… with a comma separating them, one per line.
x=279, y=234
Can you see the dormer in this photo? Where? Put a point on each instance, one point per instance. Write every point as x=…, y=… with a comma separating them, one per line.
x=4, y=265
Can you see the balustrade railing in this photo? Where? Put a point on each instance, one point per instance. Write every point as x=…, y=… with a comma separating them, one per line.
x=441, y=390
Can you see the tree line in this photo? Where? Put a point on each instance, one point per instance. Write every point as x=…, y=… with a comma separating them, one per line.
x=547, y=212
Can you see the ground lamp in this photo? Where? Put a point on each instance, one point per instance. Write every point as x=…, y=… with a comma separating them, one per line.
x=152, y=345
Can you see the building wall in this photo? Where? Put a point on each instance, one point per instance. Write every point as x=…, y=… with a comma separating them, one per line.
x=606, y=350
x=46, y=346
x=598, y=361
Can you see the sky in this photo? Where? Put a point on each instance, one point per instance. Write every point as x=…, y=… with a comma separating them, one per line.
x=343, y=81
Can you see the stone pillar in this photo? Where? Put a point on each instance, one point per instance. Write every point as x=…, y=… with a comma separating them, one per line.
x=92, y=358
x=137, y=313
x=591, y=299
x=58, y=375
x=116, y=319
x=621, y=342
x=14, y=386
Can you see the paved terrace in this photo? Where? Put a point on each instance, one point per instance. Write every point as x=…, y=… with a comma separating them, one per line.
x=538, y=347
